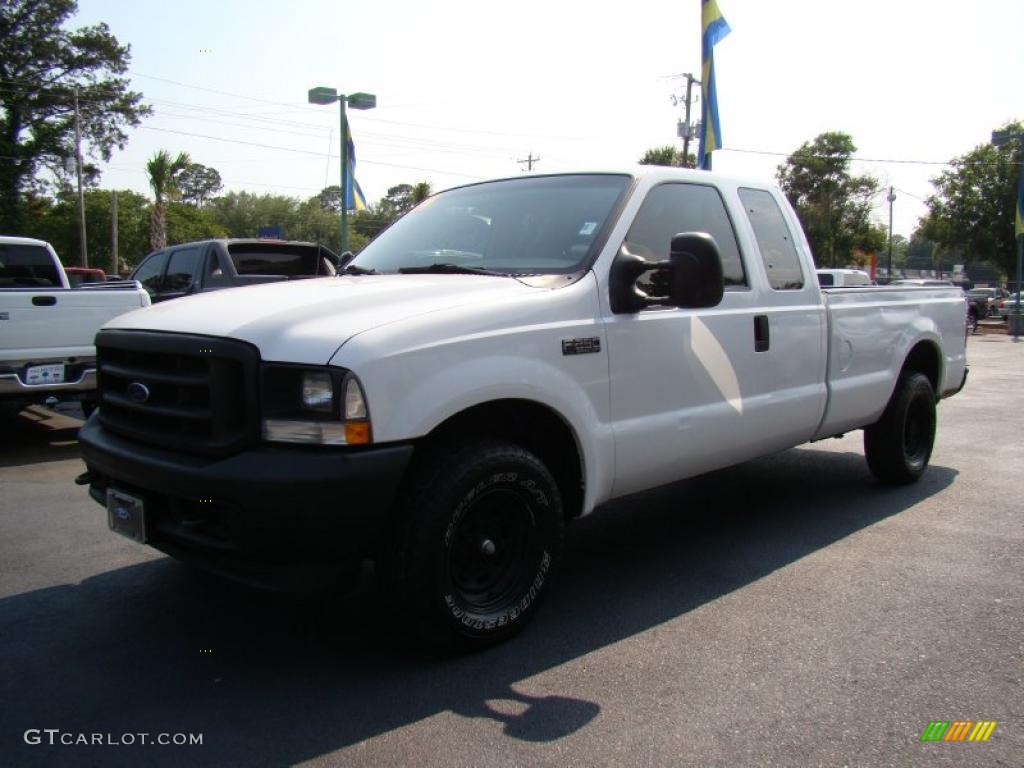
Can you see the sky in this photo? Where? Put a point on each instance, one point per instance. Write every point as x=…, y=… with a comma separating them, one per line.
x=466, y=90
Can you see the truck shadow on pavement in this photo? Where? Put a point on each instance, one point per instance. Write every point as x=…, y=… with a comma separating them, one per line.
x=37, y=435
x=270, y=679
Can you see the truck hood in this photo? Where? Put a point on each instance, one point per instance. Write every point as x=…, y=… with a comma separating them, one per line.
x=306, y=321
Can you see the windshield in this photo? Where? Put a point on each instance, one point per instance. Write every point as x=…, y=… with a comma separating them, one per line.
x=536, y=225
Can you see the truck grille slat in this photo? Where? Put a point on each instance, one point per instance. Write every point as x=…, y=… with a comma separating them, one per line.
x=167, y=411
x=133, y=373
x=195, y=394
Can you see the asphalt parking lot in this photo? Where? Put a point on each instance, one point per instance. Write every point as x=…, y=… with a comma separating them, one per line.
x=787, y=612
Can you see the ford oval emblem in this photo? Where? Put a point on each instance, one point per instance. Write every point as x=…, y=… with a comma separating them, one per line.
x=138, y=392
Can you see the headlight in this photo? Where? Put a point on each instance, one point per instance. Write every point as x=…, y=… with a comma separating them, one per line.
x=316, y=406
x=317, y=391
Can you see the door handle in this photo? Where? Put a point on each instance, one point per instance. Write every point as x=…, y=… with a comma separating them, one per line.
x=762, y=333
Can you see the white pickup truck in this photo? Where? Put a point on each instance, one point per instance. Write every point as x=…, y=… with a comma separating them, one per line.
x=504, y=359
x=47, y=328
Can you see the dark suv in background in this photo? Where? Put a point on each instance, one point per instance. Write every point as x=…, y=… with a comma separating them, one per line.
x=210, y=265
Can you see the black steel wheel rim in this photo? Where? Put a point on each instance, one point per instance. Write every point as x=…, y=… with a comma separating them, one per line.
x=494, y=553
x=916, y=433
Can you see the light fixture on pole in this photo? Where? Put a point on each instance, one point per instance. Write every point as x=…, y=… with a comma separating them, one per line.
x=356, y=101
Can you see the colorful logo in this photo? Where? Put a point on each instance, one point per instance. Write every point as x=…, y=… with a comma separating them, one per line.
x=958, y=730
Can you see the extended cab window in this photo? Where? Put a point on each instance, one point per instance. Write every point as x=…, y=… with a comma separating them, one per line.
x=670, y=209
x=150, y=272
x=781, y=260
x=28, y=266
x=182, y=269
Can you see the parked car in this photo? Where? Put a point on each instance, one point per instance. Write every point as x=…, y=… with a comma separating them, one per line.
x=986, y=300
x=502, y=360
x=47, y=327
x=1005, y=306
x=211, y=265
x=843, y=278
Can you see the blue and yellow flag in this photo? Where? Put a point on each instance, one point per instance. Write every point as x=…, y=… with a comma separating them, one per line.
x=713, y=28
x=354, y=200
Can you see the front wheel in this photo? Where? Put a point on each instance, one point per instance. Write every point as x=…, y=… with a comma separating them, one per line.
x=476, y=545
x=899, y=446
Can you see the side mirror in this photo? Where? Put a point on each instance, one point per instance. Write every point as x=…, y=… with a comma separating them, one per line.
x=696, y=271
x=692, y=276
x=344, y=259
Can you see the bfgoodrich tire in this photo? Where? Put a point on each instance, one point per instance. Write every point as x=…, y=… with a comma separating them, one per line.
x=475, y=547
x=899, y=446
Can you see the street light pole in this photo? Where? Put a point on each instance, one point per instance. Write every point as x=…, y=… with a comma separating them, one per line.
x=1014, y=320
x=891, y=198
x=356, y=101
x=343, y=240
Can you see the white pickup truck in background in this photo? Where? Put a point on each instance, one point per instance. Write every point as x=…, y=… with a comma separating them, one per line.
x=47, y=328
x=505, y=358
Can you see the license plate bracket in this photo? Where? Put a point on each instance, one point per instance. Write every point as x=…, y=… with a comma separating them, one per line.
x=126, y=514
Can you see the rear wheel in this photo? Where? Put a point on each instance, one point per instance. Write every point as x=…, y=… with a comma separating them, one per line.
x=476, y=545
x=899, y=446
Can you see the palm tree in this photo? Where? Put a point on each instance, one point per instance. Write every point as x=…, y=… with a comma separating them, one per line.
x=420, y=192
x=163, y=173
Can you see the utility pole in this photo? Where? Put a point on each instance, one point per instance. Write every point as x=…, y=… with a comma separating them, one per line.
x=81, y=197
x=890, y=198
x=530, y=160
x=114, y=264
x=687, y=129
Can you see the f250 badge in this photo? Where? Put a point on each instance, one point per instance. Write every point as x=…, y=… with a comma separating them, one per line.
x=588, y=346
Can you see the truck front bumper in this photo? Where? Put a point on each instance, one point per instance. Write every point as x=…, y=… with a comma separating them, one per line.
x=274, y=516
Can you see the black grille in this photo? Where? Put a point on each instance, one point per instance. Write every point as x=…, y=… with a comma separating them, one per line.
x=188, y=393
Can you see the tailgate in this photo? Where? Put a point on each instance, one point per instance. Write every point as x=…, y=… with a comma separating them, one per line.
x=59, y=322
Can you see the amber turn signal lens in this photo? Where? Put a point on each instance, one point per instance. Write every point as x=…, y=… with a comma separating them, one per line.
x=357, y=433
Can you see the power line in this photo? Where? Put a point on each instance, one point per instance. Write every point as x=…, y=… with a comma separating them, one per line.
x=307, y=152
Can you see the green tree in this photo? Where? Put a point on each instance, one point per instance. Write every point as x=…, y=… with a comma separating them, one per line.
x=198, y=184
x=972, y=209
x=56, y=221
x=668, y=155
x=186, y=223
x=330, y=199
x=834, y=207
x=163, y=172
x=420, y=192
x=243, y=213
x=40, y=66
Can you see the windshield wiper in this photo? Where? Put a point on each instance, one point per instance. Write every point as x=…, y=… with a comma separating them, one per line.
x=449, y=269
x=354, y=269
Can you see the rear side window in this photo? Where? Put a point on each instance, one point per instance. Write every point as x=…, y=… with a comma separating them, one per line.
x=825, y=280
x=773, y=239
x=182, y=269
x=150, y=272
x=670, y=209
x=27, y=266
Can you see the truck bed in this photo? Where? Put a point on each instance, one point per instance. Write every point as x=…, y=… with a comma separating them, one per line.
x=869, y=333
